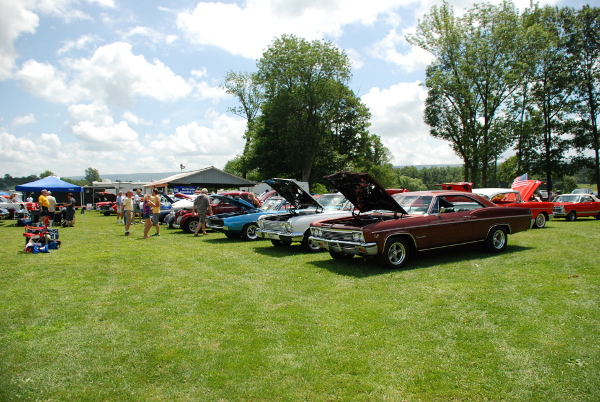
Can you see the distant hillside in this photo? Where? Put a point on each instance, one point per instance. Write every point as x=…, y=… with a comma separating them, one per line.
x=133, y=177
x=419, y=167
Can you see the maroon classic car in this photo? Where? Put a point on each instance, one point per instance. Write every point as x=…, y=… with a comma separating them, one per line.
x=395, y=227
x=573, y=206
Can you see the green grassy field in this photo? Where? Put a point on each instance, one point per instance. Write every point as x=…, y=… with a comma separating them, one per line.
x=178, y=318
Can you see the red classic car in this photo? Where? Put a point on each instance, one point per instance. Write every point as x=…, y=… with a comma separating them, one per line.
x=106, y=203
x=522, y=197
x=395, y=227
x=573, y=206
x=188, y=221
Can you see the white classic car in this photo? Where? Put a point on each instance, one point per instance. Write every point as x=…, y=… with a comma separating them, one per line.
x=293, y=226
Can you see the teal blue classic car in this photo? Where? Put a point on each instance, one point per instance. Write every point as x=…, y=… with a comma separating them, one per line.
x=243, y=223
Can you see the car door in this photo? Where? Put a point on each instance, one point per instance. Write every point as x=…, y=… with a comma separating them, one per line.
x=455, y=220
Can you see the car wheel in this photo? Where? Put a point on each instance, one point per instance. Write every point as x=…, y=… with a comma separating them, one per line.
x=106, y=213
x=496, y=240
x=540, y=220
x=308, y=244
x=190, y=225
x=340, y=256
x=571, y=216
x=249, y=231
x=395, y=253
x=280, y=243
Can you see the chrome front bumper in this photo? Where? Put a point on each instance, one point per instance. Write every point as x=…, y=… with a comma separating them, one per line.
x=346, y=247
x=268, y=234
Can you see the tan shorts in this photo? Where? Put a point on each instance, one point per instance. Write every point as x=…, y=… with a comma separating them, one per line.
x=129, y=217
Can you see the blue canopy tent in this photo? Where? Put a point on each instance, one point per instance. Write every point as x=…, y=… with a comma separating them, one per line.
x=51, y=183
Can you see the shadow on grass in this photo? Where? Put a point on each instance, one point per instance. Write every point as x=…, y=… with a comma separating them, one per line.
x=360, y=267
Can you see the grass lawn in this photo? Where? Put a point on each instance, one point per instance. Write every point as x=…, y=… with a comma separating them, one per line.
x=178, y=318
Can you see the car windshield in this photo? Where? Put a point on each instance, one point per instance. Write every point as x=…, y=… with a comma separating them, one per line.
x=414, y=204
x=567, y=198
x=582, y=191
x=331, y=201
x=273, y=204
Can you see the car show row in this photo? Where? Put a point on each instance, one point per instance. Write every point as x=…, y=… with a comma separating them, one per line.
x=364, y=219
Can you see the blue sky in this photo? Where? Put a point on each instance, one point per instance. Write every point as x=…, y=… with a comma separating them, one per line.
x=133, y=86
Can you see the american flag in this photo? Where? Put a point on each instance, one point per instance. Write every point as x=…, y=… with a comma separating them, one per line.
x=518, y=179
x=522, y=185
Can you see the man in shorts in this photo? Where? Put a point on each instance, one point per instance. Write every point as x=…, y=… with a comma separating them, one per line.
x=44, y=208
x=202, y=205
x=156, y=211
x=128, y=213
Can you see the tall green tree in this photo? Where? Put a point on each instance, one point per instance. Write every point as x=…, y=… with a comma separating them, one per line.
x=310, y=120
x=582, y=31
x=91, y=175
x=550, y=100
x=46, y=174
x=250, y=96
x=479, y=63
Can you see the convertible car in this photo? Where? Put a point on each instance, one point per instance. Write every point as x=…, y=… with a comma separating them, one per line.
x=573, y=206
x=393, y=228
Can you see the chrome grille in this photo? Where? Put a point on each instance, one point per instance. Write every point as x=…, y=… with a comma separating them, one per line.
x=337, y=235
x=273, y=226
x=215, y=222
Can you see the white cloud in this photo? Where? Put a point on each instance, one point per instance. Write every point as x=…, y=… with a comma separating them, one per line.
x=397, y=117
x=96, y=130
x=45, y=81
x=154, y=36
x=15, y=20
x=113, y=75
x=135, y=119
x=223, y=138
x=258, y=22
x=80, y=43
x=410, y=58
x=23, y=120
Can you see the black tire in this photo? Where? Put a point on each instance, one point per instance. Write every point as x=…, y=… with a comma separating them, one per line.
x=231, y=235
x=496, y=240
x=308, y=244
x=540, y=220
x=190, y=225
x=280, y=243
x=249, y=231
x=395, y=253
x=106, y=213
x=340, y=256
x=571, y=216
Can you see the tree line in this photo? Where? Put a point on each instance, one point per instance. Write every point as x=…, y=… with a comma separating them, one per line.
x=9, y=182
x=502, y=80
x=527, y=83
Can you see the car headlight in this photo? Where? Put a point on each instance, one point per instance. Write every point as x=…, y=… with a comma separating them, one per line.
x=358, y=237
x=317, y=232
x=289, y=227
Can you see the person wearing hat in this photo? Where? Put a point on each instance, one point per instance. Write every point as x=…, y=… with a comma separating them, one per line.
x=202, y=205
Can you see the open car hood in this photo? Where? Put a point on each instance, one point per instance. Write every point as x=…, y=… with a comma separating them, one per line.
x=235, y=201
x=526, y=188
x=364, y=192
x=293, y=193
